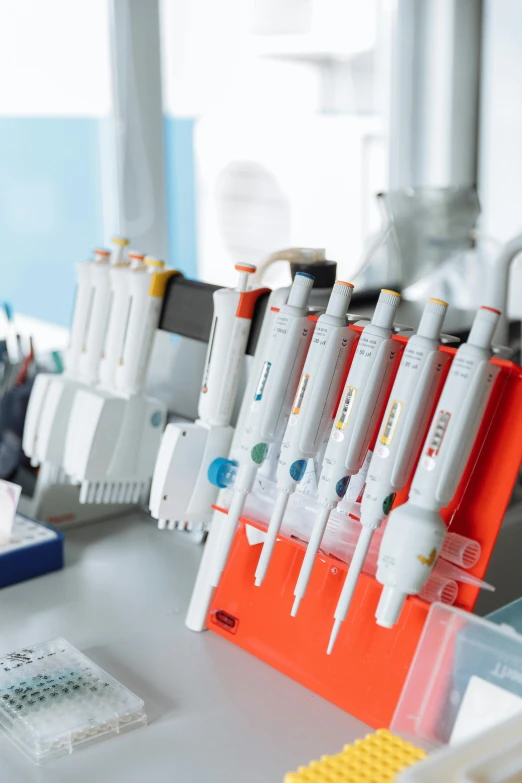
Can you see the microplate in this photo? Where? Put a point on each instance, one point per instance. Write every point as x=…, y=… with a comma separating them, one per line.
x=53, y=698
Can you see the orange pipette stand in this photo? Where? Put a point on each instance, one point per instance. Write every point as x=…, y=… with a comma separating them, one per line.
x=368, y=666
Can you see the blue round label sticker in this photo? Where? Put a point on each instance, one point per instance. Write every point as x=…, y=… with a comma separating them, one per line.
x=342, y=486
x=297, y=469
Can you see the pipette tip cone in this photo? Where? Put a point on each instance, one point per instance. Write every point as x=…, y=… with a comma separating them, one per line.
x=295, y=607
x=333, y=636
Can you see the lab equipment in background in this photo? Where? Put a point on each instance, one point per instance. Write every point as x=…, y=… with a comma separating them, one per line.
x=415, y=531
x=313, y=407
x=384, y=753
x=180, y=490
x=359, y=413
x=270, y=407
x=27, y=548
x=52, y=397
x=410, y=405
x=302, y=256
x=54, y=699
x=114, y=435
x=493, y=756
x=462, y=681
x=497, y=292
x=428, y=227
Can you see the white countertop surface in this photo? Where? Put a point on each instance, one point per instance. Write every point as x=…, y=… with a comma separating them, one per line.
x=216, y=714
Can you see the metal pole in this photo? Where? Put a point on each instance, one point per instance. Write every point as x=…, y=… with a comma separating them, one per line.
x=434, y=84
x=133, y=154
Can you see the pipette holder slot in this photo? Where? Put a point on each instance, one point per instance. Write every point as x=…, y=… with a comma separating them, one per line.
x=369, y=664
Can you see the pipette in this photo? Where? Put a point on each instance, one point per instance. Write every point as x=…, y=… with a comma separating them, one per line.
x=82, y=311
x=118, y=254
x=313, y=407
x=180, y=489
x=415, y=531
x=358, y=414
x=203, y=591
x=96, y=326
x=410, y=404
x=270, y=407
x=52, y=396
x=119, y=274
x=226, y=349
x=114, y=434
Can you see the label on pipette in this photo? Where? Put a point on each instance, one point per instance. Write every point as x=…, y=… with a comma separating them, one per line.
x=262, y=381
x=391, y=423
x=303, y=383
x=440, y=429
x=204, y=388
x=346, y=408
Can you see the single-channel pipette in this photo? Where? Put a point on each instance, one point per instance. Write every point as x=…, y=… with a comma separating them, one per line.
x=313, y=407
x=180, y=493
x=399, y=440
x=226, y=349
x=415, y=531
x=270, y=408
x=360, y=410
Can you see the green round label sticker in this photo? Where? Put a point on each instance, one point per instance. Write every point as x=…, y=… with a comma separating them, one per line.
x=259, y=453
x=388, y=503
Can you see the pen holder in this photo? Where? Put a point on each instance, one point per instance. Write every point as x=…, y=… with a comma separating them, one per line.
x=368, y=667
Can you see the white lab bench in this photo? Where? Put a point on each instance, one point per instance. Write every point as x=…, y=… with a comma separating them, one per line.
x=216, y=714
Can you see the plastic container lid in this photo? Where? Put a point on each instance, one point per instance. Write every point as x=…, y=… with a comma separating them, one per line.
x=53, y=698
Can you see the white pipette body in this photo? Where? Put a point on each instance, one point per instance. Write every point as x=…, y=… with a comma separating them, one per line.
x=146, y=292
x=415, y=531
x=313, y=407
x=226, y=349
x=359, y=411
x=96, y=326
x=399, y=440
x=82, y=310
x=278, y=379
x=119, y=276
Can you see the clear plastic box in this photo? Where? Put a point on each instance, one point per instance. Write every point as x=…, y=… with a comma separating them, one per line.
x=465, y=677
x=53, y=698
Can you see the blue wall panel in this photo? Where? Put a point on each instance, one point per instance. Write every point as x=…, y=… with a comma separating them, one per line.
x=50, y=210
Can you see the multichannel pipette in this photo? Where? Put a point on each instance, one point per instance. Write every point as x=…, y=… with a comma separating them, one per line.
x=96, y=326
x=415, y=531
x=114, y=434
x=180, y=490
x=119, y=275
x=399, y=440
x=360, y=410
x=270, y=407
x=313, y=407
x=52, y=396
